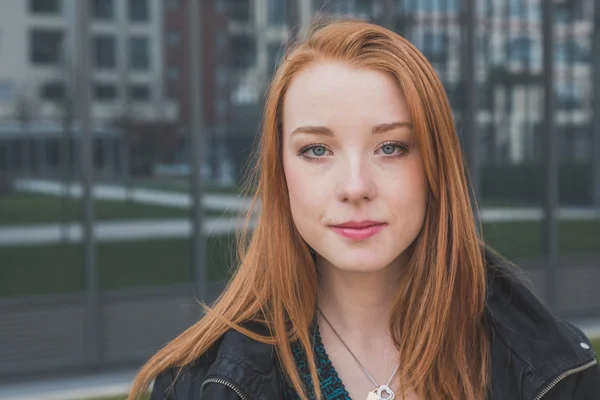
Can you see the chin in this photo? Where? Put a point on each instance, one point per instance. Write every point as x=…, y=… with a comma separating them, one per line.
x=361, y=269
x=360, y=264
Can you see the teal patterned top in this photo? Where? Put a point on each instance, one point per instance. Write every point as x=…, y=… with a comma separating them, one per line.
x=331, y=385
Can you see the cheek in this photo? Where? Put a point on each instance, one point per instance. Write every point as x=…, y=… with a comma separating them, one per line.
x=407, y=187
x=301, y=189
x=293, y=178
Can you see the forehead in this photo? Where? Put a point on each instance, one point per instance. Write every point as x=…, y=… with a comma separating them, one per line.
x=331, y=93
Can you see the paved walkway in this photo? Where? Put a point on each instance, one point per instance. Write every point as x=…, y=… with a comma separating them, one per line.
x=114, y=231
x=71, y=388
x=509, y=214
x=114, y=384
x=212, y=201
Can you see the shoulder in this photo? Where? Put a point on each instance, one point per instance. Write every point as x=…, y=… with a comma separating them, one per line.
x=582, y=385
x=234, y=357
x=532, y=349
x=184, y=382
x=175, y=383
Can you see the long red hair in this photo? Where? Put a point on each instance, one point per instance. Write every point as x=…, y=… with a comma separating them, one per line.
x=437, y=319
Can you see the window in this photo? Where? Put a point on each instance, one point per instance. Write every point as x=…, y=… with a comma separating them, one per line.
x=569, y=95
x=6, y=91
x=172, y=4
x=221, y=108
x=220, y=6
x=45, y=6
x=173, y=73
x=486, y=7
x=104, y=9
x=53, y=91
x=138, y=11
x=276, y=12
x=423, y=6
x=105, y=92
x=435, y=46
x=239, y=10
x=104, y=52
x=243, y=52
x=563, y=13
x=517, y=8
x=220, y=40
x=451, y=5
x=521, y=50
x=45, y=46
x=570, y=52
x=173, y=38
x=139, y=53
x=139, y=92
x=221, y=74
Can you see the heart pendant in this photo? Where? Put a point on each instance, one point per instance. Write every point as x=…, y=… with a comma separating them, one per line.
x=385, y=393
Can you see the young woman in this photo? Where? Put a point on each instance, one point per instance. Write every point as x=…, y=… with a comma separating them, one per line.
x=364, y=277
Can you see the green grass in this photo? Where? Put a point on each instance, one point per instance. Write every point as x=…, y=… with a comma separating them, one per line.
x=26, y=270
x=183, y=186
x=596, y=345
x=24, y=209
x=518, y=240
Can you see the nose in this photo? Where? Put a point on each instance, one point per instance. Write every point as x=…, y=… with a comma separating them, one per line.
x=356, y=181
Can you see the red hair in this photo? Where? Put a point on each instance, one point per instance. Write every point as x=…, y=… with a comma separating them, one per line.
x=437, y=320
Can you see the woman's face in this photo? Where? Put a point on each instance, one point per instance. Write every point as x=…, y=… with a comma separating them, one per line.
x=355, y=179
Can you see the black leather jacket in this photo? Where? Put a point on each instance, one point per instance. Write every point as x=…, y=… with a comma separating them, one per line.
x=535, y=356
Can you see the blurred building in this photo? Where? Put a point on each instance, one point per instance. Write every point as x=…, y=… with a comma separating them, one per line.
x=214, y=56
x=141, y=67
x=509, y=61
x=37, y=60
x=38, y=74
x=215, y=71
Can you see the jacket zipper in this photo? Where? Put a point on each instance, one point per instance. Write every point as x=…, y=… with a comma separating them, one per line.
x=563, y=376
x=226, y=383
x=540, y=395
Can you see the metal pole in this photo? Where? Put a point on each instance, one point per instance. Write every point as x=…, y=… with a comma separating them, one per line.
x=93, y=326
x=11, y=150
x=469, y=117
x=64, y=162
x=126, y=117
x=42, y=156
x=596, y=104
x=550, y=223
x=199, y=274
x=491, y=16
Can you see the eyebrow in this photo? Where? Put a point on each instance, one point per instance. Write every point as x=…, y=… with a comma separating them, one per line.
x=323, y=130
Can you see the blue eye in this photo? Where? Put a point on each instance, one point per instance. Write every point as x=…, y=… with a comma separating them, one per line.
x=318, y=150
x=313, y=152
x=389, y=149
x=394, y=149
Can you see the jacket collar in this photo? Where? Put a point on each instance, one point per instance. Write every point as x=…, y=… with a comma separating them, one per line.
x=530, y=346
x=250, y=365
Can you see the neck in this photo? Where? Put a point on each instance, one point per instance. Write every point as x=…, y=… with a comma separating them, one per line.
x=357, y=303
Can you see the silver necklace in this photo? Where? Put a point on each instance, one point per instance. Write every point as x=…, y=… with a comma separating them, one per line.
x=382, y=392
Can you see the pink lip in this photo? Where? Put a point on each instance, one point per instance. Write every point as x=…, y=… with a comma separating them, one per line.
x=358, y=230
